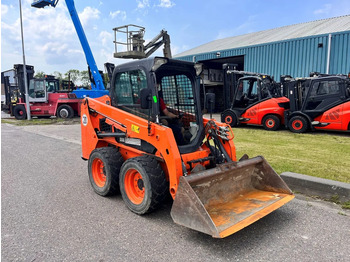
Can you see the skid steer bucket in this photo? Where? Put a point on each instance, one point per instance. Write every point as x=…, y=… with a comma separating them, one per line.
x=229, y=197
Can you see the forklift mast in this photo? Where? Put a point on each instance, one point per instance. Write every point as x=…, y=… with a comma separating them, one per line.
x=97, y=82
x=230, y=83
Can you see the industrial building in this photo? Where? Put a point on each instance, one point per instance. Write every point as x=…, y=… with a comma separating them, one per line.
x=318, y=46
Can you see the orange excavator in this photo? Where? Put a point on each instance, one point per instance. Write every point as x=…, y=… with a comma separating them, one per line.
x=133, y=147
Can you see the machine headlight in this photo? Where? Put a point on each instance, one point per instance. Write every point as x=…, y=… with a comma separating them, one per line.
x=199, y=68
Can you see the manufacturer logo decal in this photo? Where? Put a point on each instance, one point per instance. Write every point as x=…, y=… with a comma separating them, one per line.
x=334, y=115
x=84, y=120
x=251, y=112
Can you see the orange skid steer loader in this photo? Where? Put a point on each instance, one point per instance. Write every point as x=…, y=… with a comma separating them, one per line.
x=133, y=145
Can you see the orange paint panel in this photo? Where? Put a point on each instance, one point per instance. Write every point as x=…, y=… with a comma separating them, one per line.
x=338, y=118
x=267, y=107
x=200, y=153
x=161, y=137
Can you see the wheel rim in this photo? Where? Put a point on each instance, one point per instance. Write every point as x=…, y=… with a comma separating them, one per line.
x=64, y=113
x=297, y=124
x=270, y=123
x=228, y=119
x=98, y=172
x=134, y=187
x=21, y=112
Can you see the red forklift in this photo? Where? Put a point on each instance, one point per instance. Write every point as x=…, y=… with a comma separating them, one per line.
x=257, y=100
x=320, y=101
x=45, y=98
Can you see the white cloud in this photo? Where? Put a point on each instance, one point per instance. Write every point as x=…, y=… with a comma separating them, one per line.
x=118, y=13
x=4, y=9
x=179, y=49
x=106, y=56
x=324, y=10
x=142, y=4
x=106, y=38
x=166, y=3
x=89, y=13
x=51, y=42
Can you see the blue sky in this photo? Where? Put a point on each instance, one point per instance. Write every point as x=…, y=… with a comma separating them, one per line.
x=51, y=43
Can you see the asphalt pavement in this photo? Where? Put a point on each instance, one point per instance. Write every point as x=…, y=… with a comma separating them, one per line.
x=50, y=213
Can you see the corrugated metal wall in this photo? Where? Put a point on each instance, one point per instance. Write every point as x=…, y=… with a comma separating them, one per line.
x=340, y=53
x=296, y=57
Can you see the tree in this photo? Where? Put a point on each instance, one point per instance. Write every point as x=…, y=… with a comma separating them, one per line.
x=72, y=75
x=84, y=77
x=39, y=74
x=58, y=75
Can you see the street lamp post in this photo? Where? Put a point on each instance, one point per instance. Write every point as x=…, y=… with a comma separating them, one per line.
x=24, y=65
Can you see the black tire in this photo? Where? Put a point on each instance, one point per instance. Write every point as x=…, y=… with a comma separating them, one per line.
x=142, y=184
x=271, y=123
x=298, y=124
x=65, y=111
x=20, y=112
x=104, y=166
x=229, y=117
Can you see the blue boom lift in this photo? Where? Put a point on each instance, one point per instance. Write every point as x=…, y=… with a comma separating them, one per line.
x=97, y=87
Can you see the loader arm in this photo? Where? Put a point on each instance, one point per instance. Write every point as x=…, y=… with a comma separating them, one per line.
x=98, y=85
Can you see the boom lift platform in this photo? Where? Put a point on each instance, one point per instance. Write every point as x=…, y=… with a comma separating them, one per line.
x=132, y=40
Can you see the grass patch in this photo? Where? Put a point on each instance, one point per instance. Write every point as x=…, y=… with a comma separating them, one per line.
x=346, y=205
x=336, y=199
x=39, y=121
x=315, y=154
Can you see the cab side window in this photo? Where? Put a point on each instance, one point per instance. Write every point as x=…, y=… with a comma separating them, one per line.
x=36, y=89
x=39, y=89
x=323, y=93
x=325, y=88
x=127, y=90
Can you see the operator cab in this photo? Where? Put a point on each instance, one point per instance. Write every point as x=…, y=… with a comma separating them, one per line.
x=315, y=95
x=39, y=89
x=254, y=89
x=174, y=82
